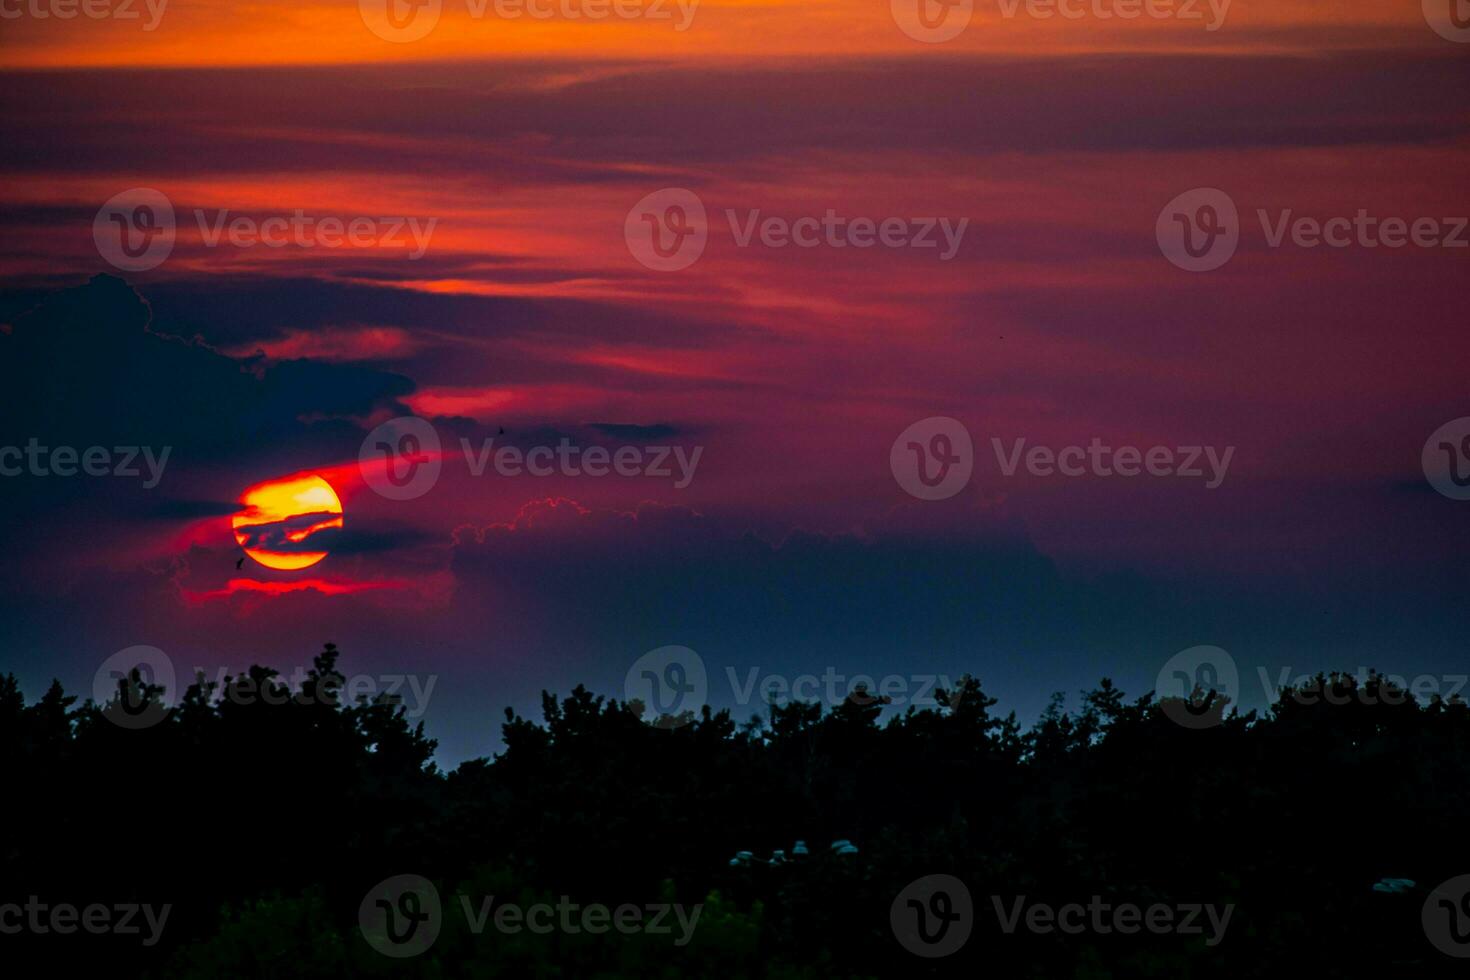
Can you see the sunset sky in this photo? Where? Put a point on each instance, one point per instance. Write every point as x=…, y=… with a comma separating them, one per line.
x=515, y=149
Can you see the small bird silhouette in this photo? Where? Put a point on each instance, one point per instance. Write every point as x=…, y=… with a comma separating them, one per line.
x=239, y=563
x=502, y=431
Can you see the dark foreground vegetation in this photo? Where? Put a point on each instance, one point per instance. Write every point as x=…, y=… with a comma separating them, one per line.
x=265, y=825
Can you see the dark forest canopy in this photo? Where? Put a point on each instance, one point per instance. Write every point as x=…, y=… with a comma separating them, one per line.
x=263, y=825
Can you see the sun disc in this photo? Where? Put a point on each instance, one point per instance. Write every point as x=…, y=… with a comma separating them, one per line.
x=283, y=523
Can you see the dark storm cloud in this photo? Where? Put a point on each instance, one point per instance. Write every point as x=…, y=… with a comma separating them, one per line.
x=229, y=311
x=350, y=540
x=187, y=510
x=235, y=313
x=293, y=535
x=87, y=368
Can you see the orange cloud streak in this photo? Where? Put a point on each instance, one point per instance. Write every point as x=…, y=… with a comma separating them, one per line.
x=212, y=33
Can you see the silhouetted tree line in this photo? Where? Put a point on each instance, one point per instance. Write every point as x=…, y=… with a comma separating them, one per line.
x=264, y=825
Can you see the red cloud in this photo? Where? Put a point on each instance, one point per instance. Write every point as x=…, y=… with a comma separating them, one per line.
x=323, y=586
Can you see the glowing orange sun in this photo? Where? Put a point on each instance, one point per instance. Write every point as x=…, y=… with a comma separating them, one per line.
x=281, y=518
